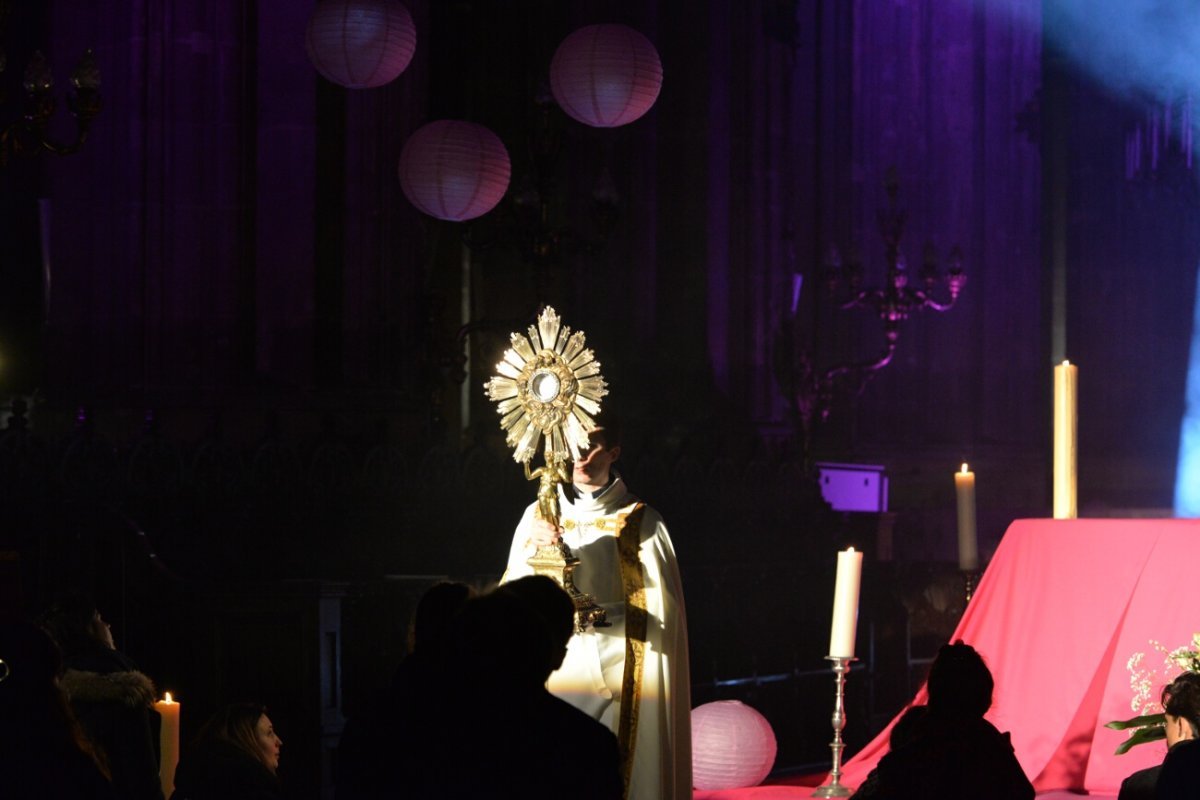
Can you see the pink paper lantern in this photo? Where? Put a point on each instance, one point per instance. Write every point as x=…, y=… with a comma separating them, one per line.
x=361, y=44
x=605, y=75
x=454, y=170
x=733, y=746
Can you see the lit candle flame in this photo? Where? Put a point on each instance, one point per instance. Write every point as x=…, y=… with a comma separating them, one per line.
x=167, y=697
x=964, y=468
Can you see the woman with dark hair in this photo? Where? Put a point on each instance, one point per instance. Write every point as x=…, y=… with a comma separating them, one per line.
x=111, y=697
x=1181, y=707
x=235, y=757
x=43, y=753
x=1180, y=774
x=947, y=748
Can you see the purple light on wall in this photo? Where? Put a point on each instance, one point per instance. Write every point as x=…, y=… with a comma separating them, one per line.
x=854, y=487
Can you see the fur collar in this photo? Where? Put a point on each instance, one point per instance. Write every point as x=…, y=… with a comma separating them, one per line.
x=132, y=688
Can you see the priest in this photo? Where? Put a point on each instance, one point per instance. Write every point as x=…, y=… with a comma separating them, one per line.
x=631, y=675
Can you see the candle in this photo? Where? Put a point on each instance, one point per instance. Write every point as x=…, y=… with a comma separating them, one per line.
x=968, y=543
x=168, y=709
x=845, y=604
x=1066, y=419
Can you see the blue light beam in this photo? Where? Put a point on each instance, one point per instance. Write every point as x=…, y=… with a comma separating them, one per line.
x=1141, y=50
x=1187, y=474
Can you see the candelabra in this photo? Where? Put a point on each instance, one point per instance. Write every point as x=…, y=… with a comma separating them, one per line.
x=29, y=134
x=809, y=389
x=834, y=788
x=970, y=582
x=534, y=222
x=896, y=300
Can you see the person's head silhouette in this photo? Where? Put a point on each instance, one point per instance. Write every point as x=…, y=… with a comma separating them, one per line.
x=1181, y=706
x=960, y=683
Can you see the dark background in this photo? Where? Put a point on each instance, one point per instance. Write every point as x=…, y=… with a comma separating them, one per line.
x=250, y=358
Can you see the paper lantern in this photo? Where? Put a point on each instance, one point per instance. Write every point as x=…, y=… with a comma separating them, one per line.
x=605, y=75
x=360, y=44
x=454, y=170
x=733, y=746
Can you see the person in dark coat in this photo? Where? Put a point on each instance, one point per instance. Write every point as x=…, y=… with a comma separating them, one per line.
x=502, y=734
x=947, y=748
x=1140, y=785
x=235, y=757
x=1180, y=776
x=112, y=698
x=1181, y=706
x=377, y=744
x=44, y=754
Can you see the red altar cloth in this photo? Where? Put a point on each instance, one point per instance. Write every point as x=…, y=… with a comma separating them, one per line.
x=1060, y=610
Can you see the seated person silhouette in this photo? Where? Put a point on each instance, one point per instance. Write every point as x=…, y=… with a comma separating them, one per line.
x=384, y=742
x=1181, y=707
x=947, y=748
x=43, y=750
x=110, y=696
x=501, y=734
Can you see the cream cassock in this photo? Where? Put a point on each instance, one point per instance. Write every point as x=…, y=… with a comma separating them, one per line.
x=638, y=687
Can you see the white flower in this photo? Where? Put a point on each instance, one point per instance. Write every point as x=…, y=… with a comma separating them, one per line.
x=1143, y=682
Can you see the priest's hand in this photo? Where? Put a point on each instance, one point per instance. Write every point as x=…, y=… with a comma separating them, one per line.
x=542, y=533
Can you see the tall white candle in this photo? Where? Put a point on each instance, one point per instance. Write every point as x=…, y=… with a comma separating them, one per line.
x=968, y=542
x=168, y=741
x=1066, y=421
x=845, y=604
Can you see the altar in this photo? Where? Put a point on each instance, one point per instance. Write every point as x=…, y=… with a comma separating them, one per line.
x=1059, y=613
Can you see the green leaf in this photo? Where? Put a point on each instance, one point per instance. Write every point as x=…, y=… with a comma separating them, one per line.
x=1137, y=722
x=1141, y=736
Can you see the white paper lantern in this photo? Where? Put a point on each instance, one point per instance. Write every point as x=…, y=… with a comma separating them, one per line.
x=605, y=75
x=733, y=746
x=454, y=170
x=360, y=44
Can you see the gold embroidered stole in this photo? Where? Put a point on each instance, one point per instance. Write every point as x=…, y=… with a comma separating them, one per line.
x=633, y=579
x=627, y=528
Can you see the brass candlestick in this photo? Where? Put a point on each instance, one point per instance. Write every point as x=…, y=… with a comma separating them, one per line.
x=834, y=788
x=549, y=385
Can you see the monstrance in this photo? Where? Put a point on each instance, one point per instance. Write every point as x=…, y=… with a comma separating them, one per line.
x=548, y=386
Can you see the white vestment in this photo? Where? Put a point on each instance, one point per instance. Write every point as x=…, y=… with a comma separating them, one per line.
x=596, y=674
